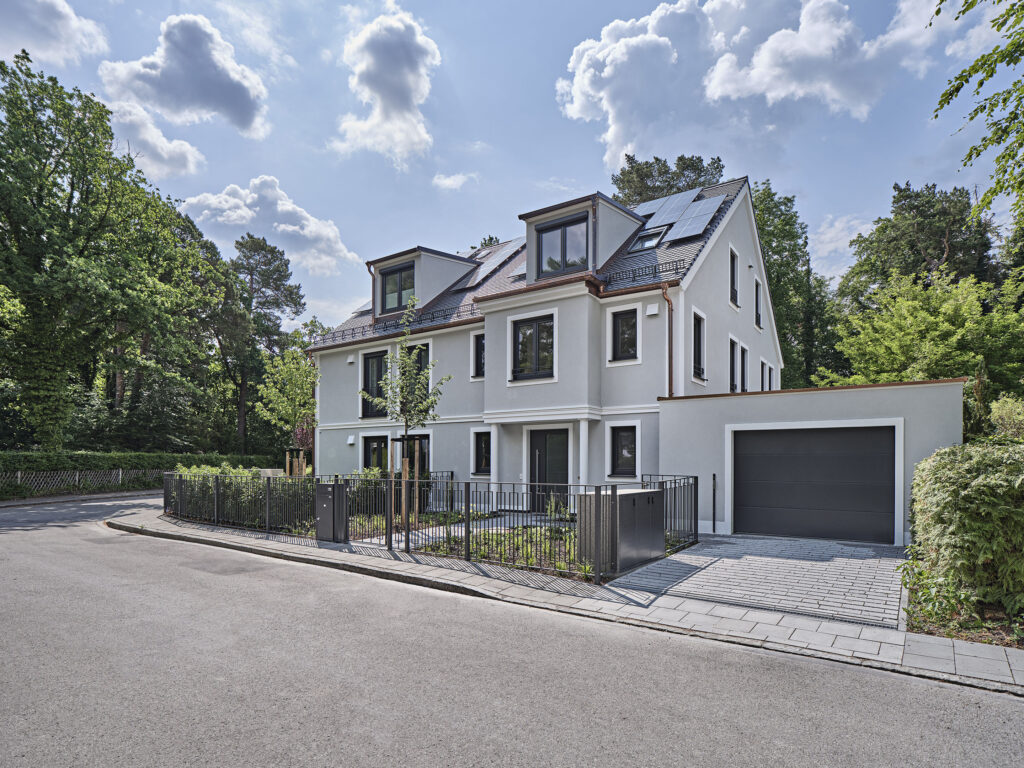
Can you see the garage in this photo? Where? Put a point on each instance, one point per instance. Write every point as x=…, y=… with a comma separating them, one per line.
x=829, y=483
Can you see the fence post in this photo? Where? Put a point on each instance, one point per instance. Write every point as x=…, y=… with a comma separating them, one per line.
x=389, y=515
x=267, y=506
x=181, y=496
x=344, y=510
x=467, y=513
x=696, y=499
x=407, y=516
x=120, y=477
x=78, y=479
x=597, y=530
x=216, y=499
x=18, y=477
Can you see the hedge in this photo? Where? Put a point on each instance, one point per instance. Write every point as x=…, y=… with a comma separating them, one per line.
x=38, y=461
x=968, y=520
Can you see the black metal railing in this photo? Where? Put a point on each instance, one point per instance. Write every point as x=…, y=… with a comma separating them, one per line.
x=384, y=327
x=579, y=531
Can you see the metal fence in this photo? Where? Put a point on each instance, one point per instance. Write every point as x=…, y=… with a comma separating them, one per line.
x=580, y=531
x=19, y=484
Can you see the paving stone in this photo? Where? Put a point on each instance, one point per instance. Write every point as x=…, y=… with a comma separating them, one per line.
x=800, y=622
x=989, y=669
x=773, y=631
x=813, y=638
x=892, y=636
x=855, y=644
x=928, y=662
x=981, y=650
x=734, y=625
x=915, y=646
x=835, y=628
x=668, y=602
x=1016, y=658
x=665, y=615
x=728, y=611
x=763, y=617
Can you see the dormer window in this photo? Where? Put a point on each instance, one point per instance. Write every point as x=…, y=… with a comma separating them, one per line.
x=396, y=288
x=647, y=240
x=562, y=246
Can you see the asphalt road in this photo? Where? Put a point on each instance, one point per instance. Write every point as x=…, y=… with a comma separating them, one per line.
x=125, y=650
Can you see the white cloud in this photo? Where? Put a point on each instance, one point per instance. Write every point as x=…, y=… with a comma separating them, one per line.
x=49, y=30
x=455, y=181
x=264, y=209
x=391, y=59
x=256, y=30
x=557, y=184
x=155, y=154
x=979, y=39
x=829, y=244
x=191, y=77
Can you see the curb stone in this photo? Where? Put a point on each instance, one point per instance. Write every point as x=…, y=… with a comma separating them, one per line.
x=457, y=588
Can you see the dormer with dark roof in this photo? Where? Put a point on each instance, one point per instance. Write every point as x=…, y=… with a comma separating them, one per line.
x=420, y=272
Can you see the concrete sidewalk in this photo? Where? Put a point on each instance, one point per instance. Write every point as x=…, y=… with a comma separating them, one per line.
x=37, y=500
x=978, y=665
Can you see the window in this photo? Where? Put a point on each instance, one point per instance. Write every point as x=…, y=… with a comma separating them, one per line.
x=698, y=346
x=478, y=355
x=562, y=247
x=375, y=452
x=757, y=303
x=734, y=291
x=422, y=356
x=623, y=452
x=481, y=453
x=373, y=372
x=396, y=288
x=764, y=375
x=771, y=376
x=624, y=344
x=424, y=444
x=743, y=369
x=647, y=240
x=533, y=348
x=732, y=365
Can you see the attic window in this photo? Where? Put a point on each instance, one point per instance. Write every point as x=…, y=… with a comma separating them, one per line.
x=562, y=246
x=647, y=240
x=396, y=288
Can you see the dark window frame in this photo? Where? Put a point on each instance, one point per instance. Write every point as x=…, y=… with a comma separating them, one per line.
x=764, y=374
x=757, y=303
x=537, y=372
x=616, y=470
x=617, y=354
x=744, y=367
x=367, y=452
x=733, y=345
x=409, y=266
x=697, y=343
x=479, y=356
x=478, y=468
x=734, y=276
x=562, y=224
x=373, y=388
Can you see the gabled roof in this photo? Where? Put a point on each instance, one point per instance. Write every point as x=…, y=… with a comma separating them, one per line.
x=592, y=198
x=670, y=261
x=418, y=249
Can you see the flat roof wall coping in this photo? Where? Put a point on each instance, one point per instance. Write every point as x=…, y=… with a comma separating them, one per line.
x=958, y=380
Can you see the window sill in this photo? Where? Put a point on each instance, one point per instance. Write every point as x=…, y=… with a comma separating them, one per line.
x=702, y=382
x=476, y=378
x=624, y=361
x=734, y=305
x=621, y=477
x=560, y=273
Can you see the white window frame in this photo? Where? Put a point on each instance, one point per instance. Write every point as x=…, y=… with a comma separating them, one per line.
x=771, y=377
x=472, y=356
x=744, y=372
x=608, y=476
x=362, y=447
x=510, y=322
x=734, y=304
x=763, y=372
x=472, y=452
x=703, y=346
x=758, y=305
x=362, y=384
x=734, y=363
x=609, y=330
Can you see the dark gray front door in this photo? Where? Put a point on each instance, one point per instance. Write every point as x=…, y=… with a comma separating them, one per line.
x=819, y=483
x=549, y=465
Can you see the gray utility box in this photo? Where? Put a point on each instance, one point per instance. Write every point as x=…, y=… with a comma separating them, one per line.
x=629, y=536
x=325, y=511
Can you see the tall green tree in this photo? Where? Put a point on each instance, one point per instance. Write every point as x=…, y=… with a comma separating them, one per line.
x=260, y=298
x=801, y=298
x=928, y=229
x=79, y=232
x=1001, y=109
x=641, y=180
x=286, y=394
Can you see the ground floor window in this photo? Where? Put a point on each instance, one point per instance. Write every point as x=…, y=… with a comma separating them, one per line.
x=375, y=452
x=481, y=453
x=424, y=446
x=623, y=451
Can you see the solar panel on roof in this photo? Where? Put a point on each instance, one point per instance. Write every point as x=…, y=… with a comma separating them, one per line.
x=673, y=208
x=363, y=308
x=650, y=207
x=520, y=270
x=695, y=218
x=496, y=258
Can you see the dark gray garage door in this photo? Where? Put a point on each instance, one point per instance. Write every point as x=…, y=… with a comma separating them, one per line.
x=820, y=483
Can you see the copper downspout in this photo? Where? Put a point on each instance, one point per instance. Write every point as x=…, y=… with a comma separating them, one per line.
x=668, y=301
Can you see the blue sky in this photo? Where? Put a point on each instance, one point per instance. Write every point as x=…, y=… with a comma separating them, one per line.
x=346, y=132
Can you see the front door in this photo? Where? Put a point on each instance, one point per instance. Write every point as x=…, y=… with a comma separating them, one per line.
x=549, y=468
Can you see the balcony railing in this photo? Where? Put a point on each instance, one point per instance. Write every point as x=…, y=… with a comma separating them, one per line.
x=393, y=325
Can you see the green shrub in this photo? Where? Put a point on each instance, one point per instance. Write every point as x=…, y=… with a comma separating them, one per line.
x=1007, y=415
x=41, y=461
x=224, y=469
x=968, y=523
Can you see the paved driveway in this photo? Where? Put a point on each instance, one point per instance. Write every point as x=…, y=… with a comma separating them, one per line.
x=825, y=579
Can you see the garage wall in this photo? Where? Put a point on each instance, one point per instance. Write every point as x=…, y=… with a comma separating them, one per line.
x=693, y=430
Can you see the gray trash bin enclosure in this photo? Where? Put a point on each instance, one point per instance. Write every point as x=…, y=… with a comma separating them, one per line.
x=632, y=528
